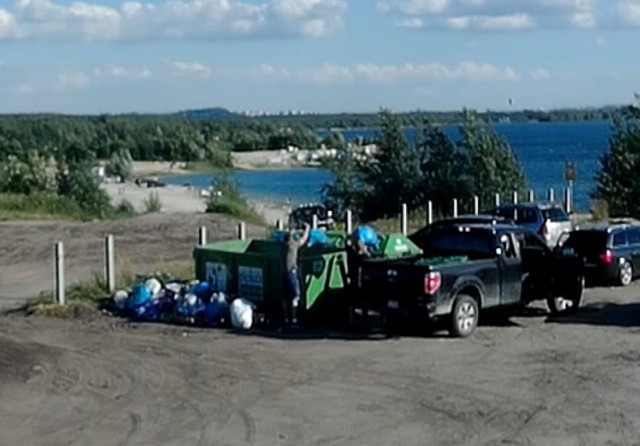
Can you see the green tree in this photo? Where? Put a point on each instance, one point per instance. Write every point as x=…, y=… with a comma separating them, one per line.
x=347, y=189
x=443, y=170
x=493, y=167
x=76, y=182
x=392, y=173
x=617, y=181
x=26, y=176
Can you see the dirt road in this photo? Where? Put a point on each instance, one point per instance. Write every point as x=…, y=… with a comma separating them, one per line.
x=532, y=381
x=142, y=245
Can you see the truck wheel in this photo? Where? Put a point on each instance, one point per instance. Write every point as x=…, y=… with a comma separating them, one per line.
x=569, y=303
x=464, y=317
x=625, y=274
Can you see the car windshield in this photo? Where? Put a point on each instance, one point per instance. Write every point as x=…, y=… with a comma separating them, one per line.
x=555, y=214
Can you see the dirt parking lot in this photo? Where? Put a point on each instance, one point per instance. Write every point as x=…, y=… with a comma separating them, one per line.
x=532, y=381
x=104, y=381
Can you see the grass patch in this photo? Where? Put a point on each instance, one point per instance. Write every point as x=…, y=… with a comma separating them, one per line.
x=227, y=199
x=86, y=297
x=152, y=204
x=49, y=207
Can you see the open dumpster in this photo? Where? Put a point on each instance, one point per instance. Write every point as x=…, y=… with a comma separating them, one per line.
x=254, y=270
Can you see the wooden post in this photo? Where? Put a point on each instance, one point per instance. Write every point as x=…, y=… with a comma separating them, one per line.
x=279, y=225
x=567, y=200
x=551, y=195
x=109, y=264
x=314, y=222
x=202, y=236
x=497, y=199
x=349, y=222
x=476, y=205
x=403, y=219
x=531, y=196
x=515, y=197
x=429, y=212
x=242, y=231
x=455, y=207
x=58, y=276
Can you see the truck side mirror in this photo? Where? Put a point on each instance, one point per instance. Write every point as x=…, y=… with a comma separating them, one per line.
x=498, y=251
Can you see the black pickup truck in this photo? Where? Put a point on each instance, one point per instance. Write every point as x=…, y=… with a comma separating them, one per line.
x=469, y=267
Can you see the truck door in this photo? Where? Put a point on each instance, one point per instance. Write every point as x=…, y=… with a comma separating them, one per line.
x=510, y=270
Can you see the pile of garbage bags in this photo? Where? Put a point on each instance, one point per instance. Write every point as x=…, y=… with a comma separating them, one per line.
x=190, y=302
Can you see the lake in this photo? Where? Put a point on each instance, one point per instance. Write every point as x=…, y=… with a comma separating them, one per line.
x=542, y=150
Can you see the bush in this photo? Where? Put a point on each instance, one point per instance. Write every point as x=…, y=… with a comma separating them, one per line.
x=227, y=199
x=38, y=206
x=152, y=204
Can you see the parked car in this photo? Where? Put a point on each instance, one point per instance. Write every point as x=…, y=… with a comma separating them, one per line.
x=611, y=250
x=549, y=220
x=304, y=214
x=421, y=236
x=468, y=268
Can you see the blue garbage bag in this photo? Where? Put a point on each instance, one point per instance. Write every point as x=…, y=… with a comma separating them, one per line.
x=216, y=311
x=202, y=290
x=148, y=311
x=367, y=235
x=318, y=238
x=140, y=295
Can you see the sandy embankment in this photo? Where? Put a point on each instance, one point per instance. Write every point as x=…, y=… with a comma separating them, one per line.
x=184, y=199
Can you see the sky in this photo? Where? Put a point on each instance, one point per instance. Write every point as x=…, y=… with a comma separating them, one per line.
x=320, y=56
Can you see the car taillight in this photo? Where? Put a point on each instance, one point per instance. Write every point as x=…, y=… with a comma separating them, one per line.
x=607, y=257
x=432, y=282
x=543, y=229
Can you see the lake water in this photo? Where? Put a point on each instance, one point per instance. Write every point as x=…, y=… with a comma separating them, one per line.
x=542, y=150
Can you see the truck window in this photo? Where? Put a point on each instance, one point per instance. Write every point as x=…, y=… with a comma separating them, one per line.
x=509, y=247
x=473, y=243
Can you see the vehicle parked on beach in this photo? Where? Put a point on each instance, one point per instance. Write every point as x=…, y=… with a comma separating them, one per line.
x=304, y=214
x=549, y=220
x=610, y=249
x=471, y=267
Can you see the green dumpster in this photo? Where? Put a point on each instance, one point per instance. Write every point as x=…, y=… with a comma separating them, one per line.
x=254, y=269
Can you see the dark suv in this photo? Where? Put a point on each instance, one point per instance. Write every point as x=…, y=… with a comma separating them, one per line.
x=549, y=220
x=611, y=250
x=305, y=212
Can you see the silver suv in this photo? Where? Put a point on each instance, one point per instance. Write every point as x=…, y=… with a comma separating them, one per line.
x=549, y=220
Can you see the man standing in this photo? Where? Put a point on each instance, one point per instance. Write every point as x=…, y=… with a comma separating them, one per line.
x=292, y=278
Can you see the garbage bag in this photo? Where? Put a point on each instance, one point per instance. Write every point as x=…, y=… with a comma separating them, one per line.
x=149, y=311
x=121, y=299
x=153, y=285
x=318, y=238
x=202, y=290
x=216, y=311
x=189, y=306
x=140, y=295
x=242, y=316
x=367, y=235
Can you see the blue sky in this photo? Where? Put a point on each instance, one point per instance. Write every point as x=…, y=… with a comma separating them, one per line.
x=316, y=55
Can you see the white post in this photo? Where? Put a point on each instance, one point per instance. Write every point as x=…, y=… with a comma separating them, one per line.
x=109, y=264
x=403, y=219
x=531, y=196
x=242, y=231
x=515, y=197
x=429, y=212
x=497, y=199
x=349, y=222
x=279, y=225
x=202, y=236
x=58, y=276
x=476, y=205
x=551, y=195
x=455, y=207
x=314, y=222
x=567, y=200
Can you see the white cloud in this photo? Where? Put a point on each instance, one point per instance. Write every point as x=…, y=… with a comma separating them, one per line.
x=540, y=74
x=23, y=88
x=118, y=71
x=490, y=15
x=67, y=80
x=369, y=73
x=629, y=12
x=132, y=19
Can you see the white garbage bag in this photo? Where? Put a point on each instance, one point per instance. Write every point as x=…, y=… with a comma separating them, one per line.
x=154, y=286
x=242, y=312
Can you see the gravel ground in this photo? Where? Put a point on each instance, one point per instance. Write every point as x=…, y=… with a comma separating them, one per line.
x=103, y=381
